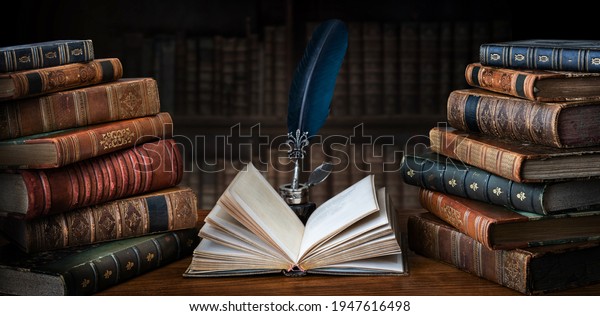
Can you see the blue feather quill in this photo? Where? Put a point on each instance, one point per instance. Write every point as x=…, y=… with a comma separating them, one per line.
x=312, y=87
x=314, y=79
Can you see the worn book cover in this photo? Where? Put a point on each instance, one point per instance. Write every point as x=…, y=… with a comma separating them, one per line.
x=517, y=161
x=533, y=270
x=45, y=54
x=536, y=85
x=498, y=227
x=160, y=211
x=549, y=54
x=440, y=173
x=114, y=101
x=60, y=148
x=86, y=270
x=40, y=192
x=27, y=83
x=556, y=124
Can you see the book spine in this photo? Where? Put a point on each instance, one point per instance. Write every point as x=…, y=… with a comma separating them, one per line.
x=503, y=81
x=145, y=168
x=460, y=216
x=114, y=268
x=545, y=58
x=442, y=243
x=121, y=100
x=106, y=138
x=490, y=158
x=453, y=177
x=112, y=221
x=505, y=117
x=47, y=55
x=64, y=77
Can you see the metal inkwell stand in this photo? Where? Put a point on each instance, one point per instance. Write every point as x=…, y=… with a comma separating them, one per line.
x=309, y=102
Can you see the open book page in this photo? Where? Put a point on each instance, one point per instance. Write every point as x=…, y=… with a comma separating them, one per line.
x=211, y=257
x=252, y=201
x=371, y=227
x=223, y=228
x=384, y=264
x=340, y=212
x=375, y=240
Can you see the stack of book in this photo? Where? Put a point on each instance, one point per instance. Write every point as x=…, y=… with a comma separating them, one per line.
x=511, y=188
x=87, y=163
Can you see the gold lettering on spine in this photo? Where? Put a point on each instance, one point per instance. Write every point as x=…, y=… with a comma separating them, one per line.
x=50, y=55
x=453, y=216
x=596, y=61
x=117, y=138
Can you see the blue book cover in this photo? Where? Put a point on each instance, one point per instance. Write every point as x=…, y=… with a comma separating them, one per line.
x=45, y=54
x=546, y=54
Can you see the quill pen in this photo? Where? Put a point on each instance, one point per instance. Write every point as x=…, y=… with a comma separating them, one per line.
x=312, y=87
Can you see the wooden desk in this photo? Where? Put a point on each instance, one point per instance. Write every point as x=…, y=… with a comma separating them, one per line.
x=426, y=277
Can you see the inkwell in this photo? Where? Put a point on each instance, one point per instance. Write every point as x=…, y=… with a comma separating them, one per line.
x=309, y=102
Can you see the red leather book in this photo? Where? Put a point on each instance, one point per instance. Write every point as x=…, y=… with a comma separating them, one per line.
x=144, y=168
x=56, y=149
x=27, y=83
x=119, y=100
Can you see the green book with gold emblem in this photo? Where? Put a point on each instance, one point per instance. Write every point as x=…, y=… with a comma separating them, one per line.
x=442, y=174
x=89, y=269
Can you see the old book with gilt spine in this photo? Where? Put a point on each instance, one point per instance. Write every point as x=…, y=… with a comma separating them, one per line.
x=86, y=270
x=548, y=54
x=497, y=227
x=439, y=173
x=555, y=124
x=536, y=85
x=45, y=54
x=144, y=168
x=114, y=101
x=517, y=161
x=27, y=83
x=156, y=212
x=60, y=148
x=533, y=270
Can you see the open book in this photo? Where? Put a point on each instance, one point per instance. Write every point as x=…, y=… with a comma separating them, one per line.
x=251, y=230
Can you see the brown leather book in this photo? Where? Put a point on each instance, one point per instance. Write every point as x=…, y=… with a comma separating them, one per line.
x=497, y=227
x=160, y=211
x=536, y=85
x=556, y=124
x=27, y=83
x=61, y=148
x=517, y=161
x=119, y=100
x=144, y=168
x=533, y=270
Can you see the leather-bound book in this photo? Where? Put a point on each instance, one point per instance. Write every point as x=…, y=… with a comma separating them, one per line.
x=86, y=270
x=439, y=173
x=517, y=161
x=119, y=100
x=537, y=85
x=160, y=211
x=27, y=83
x=533, y=270
x=45, y=54
x=548, y=54
x=497, y=227
x=556, y=124
x=35, y=193
x=60, y=148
